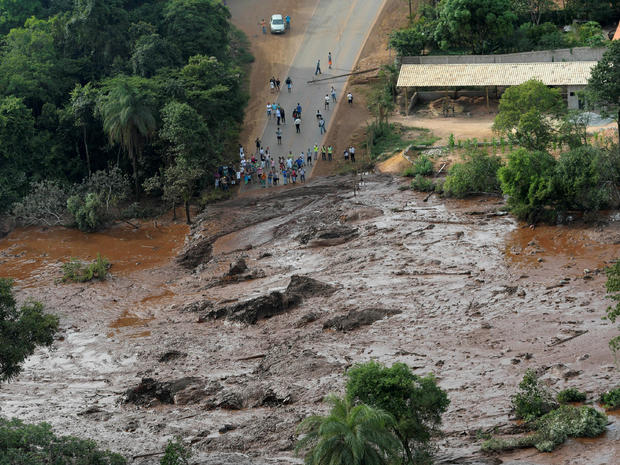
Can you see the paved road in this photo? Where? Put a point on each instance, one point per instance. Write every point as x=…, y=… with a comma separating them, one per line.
x=339, y=27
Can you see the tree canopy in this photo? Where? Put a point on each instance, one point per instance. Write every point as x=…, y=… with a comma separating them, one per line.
x=22, y=330
x=604, y=84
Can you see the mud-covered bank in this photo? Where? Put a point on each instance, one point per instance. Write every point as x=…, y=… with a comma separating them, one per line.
x=441, y=286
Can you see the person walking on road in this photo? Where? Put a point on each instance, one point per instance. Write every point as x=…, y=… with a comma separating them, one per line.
x=298, y=125
x=298, y=110
x=333, y=92
x=289, y=83
x=329, y=60
x=279, y=136
x=326, y=102
x=318, y=68
x=350, y=98
x=322, y=125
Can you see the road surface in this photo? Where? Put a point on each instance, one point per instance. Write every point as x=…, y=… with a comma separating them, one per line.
x=339, y=27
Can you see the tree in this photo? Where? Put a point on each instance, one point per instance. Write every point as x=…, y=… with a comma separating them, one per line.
x=38, y=445
x=45, y=204
x=22, y=330
x=415, y=402
x=604, y=83
x=176, y=453
x=477, y=25
x=533, y=8
x=13, y=13
x=476, y=174
x=527, y=179
x=128, y=118
x=613, y=293
x=349, y=435
x=82, y=105
x=187, y=135
x=528, y=113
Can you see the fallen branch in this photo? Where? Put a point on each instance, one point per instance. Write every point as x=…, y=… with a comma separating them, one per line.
x=152, y=454
x=251, y=357
x=131, y=224
x=562, y=341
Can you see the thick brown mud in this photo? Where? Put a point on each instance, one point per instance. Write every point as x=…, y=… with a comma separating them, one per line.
x=455, y=288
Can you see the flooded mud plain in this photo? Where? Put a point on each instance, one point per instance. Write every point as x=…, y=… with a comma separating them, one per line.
x=469, y=295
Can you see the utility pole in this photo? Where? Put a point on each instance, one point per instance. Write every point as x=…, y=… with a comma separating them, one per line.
x=410, y=13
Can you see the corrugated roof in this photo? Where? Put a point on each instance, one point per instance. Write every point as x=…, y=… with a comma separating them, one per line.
x=570, y=73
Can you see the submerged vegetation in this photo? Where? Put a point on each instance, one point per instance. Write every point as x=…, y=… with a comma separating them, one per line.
x=79, y=272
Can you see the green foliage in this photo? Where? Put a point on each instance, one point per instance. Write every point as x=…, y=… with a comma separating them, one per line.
x=527, y=113
x=350, y=435
x=613, y=292
x=37, y=445
x=213, y=196
x=533, y=399
x=415, y=402
x=477, y=173
x=554, y=428
x=79, y=272
x=475, y=25
x=112, y=186
x=22, y=330
x=422, y=165
x=176, y=453
x=413, y=40
x=604, y=84
x=570, y=395
x=87, y=211
x=527, y=180
x=422, y=184
x=573, y=129
x=611, y=399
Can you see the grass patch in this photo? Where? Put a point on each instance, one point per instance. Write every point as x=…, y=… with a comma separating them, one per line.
x=79, y=272
x=386, y=138
x=422, y=166
x=422, y=184
x=611, y=399
x=570, y=395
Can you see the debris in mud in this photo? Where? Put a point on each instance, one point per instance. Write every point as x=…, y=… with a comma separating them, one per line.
x=326, y=237
x=365, y=213
x=150, y=391
x=357, y=318
x=287, y=360
x=199, y=252
x=266, y=306
x=237, y=268
x=171, y=355
x=307, y=318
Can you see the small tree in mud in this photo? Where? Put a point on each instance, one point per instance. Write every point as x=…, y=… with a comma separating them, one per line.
x=613, y=293
x=176, y=453
x=415, y=402
x=22, y=329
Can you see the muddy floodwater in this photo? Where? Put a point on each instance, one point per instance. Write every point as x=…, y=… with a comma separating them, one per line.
x=454, y=288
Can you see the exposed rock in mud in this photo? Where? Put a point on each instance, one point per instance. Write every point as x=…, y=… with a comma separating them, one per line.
x=307, y=318
x=365, y=213
x=329, y=236
x=287, y=360
x=151, y=391
x=357, y=318
x=266, y=306
x=198, y=306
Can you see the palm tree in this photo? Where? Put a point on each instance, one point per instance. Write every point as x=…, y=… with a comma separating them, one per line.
x=349, y=435
x=127, y=119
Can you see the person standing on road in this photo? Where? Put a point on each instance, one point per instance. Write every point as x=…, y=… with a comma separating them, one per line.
x=326, y=102
x=318, y=68
x=346, y=154
x=279, y=136
x=323, y=153
x=333, y=92
x=258, y=144
x=329, y=60
x=352, y=154
x=322, y=125
x=302, y=175
x=268, y=110
x=282, y=114
x=350, y=98
x=288, y=22
x=289, y=82
x=330, y=152
x=298, y=110
x=278, y=84
x=316, y=152
x=278, y=115
x=263, y=25
x=298, y=125
x=309, y=158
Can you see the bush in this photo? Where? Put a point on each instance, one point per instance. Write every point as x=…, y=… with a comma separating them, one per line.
x=611, y=399
x=422, y=184
x=554, y=428
x=111, y=186
x=45, y=204
x=176, y=453
x=213, y=196
x=37, y=445
x=476, y=174
x=78, y=272
x=88, y=211
x=613, y=292
x=533, y=399
x=422, y=166
x=570, y=395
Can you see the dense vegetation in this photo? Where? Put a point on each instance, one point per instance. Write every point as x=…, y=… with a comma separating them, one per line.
x=22, y=329
x=613, y=293
x=504, y=26
x=388, y=415
x=86, y=86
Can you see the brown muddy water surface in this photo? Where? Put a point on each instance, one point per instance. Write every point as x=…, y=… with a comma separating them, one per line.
x=26, y=251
